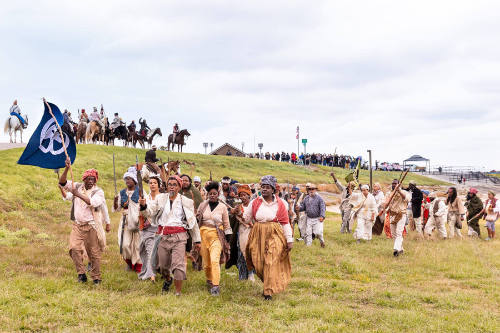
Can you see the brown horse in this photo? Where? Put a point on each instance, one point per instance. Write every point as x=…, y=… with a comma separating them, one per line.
x=171, y=167
x=80, y=132
x=95, y=132
x=179, y=140
x=157, y=131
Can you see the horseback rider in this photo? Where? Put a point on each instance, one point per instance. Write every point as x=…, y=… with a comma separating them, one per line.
x=95, y=116
x=144, y=128
x=15, y=110
x=67, y=117
x=131, y=127
x=175, y=132
x=117, y=122
x=84, y=116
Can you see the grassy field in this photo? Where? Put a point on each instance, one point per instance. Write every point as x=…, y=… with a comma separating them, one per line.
x=436, y=286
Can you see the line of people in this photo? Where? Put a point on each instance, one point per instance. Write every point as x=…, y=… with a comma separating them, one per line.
x=420, y=210
x=220, y=223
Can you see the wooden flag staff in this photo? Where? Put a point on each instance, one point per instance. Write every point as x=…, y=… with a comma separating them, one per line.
x=62, y=141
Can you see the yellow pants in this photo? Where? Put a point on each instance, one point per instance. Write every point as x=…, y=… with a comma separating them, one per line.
x=211, y=249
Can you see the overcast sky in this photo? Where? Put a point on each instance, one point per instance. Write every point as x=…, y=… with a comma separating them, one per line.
x=397, y=77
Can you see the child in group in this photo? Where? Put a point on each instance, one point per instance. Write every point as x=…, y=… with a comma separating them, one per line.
x=491, y=214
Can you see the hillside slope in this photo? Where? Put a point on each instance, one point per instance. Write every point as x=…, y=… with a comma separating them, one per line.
x=435, y=286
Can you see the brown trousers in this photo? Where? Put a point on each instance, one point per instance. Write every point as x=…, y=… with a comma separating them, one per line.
x=85, y=237
x=172, y=255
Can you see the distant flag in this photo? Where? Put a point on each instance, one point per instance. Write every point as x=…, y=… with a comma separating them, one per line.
x=297, y=137
x=45, y=148
x=353, y=176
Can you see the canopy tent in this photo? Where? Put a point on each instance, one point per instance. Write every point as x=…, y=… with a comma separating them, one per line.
x=418, y=158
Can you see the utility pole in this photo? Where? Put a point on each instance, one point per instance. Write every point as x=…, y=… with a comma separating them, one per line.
x=205, y=145
x=243, y=147
x=211, y=146
x=298, y=144
x=370, y=162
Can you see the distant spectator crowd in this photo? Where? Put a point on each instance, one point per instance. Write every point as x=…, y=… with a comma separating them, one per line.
x=331, y=160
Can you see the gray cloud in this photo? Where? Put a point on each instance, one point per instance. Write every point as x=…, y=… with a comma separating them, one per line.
x=397, y=77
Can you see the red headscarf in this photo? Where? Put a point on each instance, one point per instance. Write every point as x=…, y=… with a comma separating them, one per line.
x=177, y=178
x=91, y=173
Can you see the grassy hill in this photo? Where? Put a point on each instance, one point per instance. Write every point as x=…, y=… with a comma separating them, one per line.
x=435, y=286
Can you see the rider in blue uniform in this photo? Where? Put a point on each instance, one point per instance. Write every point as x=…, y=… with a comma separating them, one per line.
x=16, y=111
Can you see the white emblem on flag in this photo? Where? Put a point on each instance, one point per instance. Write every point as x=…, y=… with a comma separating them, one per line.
x=49, y=132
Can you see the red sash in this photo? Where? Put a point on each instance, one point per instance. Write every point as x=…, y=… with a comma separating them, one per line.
x=169, y=230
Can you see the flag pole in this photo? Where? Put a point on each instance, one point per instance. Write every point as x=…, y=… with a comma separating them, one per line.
x=62, y=141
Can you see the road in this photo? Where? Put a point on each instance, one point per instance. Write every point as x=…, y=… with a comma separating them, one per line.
x=5, y=145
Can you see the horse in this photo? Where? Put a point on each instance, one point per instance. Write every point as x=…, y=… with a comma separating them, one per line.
x=13, y=124
x=179, y=140
x=121, y=133
x=171, y=167
x=80, y=132
x=135, y=137
x=94, y=132
x=157, y=131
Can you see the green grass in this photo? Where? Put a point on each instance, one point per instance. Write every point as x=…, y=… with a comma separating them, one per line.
x=435, y=286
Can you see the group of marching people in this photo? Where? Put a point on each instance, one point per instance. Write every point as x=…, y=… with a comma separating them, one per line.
x=422, y=211
x=220, y=223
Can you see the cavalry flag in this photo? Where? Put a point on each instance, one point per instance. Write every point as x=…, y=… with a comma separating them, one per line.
x=45, y=148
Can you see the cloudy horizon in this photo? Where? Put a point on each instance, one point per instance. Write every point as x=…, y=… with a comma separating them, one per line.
x=395, y=77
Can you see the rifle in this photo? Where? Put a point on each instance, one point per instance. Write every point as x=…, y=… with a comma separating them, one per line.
x=163, y=173
x=210, y=175
x=114, y=174
x=402, y=177
x=141, y=193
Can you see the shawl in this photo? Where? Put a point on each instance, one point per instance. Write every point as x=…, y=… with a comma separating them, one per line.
x=281, y=215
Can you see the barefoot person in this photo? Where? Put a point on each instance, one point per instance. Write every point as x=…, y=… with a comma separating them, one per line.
x=90, y=211
x=270, y=239
x=176, y=219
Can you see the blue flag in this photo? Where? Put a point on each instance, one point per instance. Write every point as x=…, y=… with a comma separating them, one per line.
x=45, y=148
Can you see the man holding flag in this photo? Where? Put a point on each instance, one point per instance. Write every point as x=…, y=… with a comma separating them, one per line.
x=50, y=148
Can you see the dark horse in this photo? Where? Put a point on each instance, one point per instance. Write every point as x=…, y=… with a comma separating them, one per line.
x=121, y=133
x=179, y=140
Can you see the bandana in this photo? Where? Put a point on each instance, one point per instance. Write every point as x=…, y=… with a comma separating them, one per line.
x=473, y=190
x=245, y=189
x=268, y=180
x=177, y=179
x=132, y=173
x=90, y=173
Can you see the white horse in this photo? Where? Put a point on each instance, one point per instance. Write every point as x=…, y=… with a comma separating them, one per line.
x=13, y=124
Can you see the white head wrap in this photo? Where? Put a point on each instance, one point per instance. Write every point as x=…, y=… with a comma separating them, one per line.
x=132, y=173
x=365, y=187
x=197, y=179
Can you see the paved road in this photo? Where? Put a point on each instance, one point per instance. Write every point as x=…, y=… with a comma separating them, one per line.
x=4, y=145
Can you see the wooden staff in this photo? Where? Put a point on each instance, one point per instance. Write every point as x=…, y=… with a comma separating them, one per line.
x=62, y=141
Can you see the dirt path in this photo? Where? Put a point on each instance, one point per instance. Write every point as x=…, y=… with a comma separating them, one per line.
x=5, y=145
